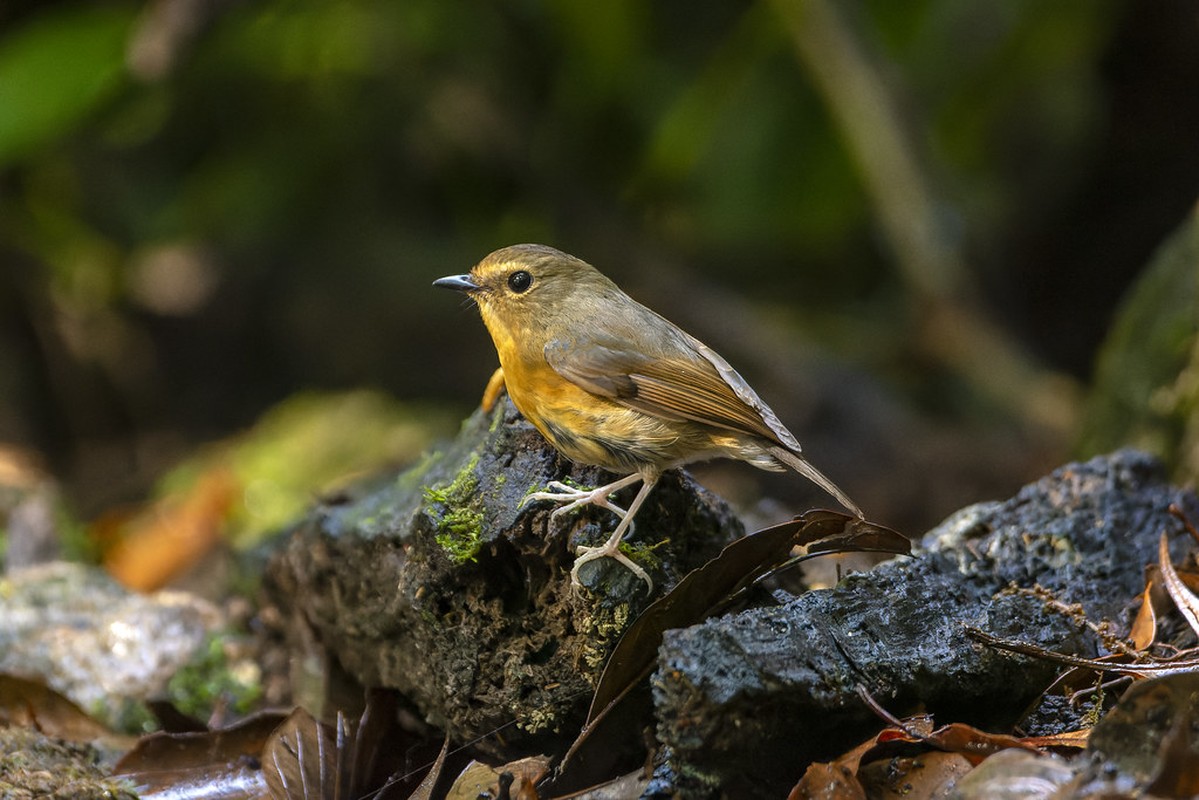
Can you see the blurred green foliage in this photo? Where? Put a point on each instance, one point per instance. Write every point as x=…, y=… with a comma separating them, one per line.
x=1147, y=381
x=56, y=69
x=310, y=446
x=360, y=127
x=207, y=205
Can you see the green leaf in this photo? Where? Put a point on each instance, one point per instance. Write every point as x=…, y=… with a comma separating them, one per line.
x=55, y=70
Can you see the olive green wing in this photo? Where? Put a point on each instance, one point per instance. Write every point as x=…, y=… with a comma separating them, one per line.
x=685, y=385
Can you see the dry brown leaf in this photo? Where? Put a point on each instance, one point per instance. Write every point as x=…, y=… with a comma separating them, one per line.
x=1184, y=599
x=517, y=779
x=922, y=777
x=32, y=704
x=956, y=737
x=1144, y=627
x=222, y=763
x=1072, y=739
x=172, y=535
x=424, y=791
x=835, y=780
x=300, y=759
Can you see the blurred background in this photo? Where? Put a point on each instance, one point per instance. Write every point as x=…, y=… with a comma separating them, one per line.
x=909, y=225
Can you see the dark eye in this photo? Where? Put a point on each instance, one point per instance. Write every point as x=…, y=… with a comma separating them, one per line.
x=519, y=281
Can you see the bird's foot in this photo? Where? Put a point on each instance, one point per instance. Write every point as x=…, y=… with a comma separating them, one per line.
x=610, y=549
x=572, y=497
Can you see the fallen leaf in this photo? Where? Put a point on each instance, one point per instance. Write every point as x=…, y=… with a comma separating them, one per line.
x=32, y=704
x=202, y=764
x=172, y=535
x=1187, y=603
x=1068, y=739
x=833, y=780
x=921, y=777
x=517, y=780
x=424, y=791
x=966, y=740
x=1144, y=627
x=301, y=760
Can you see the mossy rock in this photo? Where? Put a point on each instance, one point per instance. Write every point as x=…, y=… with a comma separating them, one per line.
x=441, y=582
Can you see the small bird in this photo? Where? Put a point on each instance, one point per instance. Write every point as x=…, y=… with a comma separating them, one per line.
x=610, y=383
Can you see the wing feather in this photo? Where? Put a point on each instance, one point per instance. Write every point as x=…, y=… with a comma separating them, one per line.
x=676, y=388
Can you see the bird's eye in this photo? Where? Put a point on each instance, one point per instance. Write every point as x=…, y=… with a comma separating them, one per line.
x=520, y=281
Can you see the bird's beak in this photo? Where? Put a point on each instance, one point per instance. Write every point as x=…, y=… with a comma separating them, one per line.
x=462, y=283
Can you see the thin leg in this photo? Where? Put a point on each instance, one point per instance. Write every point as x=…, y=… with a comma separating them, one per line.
x=611, y=548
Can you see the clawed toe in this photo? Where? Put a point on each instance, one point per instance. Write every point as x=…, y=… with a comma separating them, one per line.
x=573, y=498
x=585, y=554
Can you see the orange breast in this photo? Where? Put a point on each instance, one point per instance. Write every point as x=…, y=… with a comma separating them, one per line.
x=587, y=428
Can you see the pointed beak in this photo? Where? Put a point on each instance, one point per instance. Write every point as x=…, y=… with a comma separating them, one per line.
x=461, y=283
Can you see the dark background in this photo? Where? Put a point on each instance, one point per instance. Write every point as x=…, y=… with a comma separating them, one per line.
x=206, y=207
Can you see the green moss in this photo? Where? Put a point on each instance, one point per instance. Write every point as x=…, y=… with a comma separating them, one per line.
x=77, y=543
x=1095, y=712
x=455, y=508
x=213, y=677
x=644, y=554
x=460, y=490
x=460, y=534
x=125, y=715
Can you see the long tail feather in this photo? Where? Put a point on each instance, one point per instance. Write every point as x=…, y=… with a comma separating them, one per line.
x=801, y=465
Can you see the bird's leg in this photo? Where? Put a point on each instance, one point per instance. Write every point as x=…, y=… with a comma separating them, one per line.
x=572, y=497
x=611, y=548
x=495, y=388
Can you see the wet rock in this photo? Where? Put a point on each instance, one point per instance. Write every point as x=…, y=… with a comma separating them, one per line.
x=104, y=647
x=745, y=701
x=439, y=583
x=1014, y=774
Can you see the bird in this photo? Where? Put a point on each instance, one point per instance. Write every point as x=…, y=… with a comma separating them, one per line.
x=610, y=383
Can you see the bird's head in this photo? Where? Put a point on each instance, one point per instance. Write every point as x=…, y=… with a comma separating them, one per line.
x=524, y=290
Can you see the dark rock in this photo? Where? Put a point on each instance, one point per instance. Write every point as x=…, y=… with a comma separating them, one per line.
x=744, y=702
x=439, y=584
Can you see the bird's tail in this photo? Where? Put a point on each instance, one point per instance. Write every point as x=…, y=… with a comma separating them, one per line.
x=801, y=465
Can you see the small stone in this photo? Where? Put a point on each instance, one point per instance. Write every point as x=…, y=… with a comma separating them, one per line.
x=104, y=647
